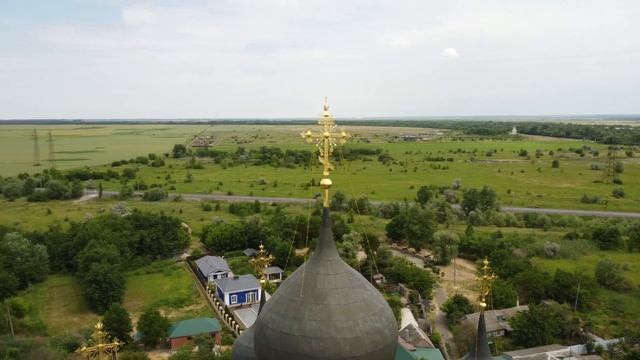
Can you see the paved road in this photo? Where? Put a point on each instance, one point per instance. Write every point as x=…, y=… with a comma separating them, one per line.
x=267, y=199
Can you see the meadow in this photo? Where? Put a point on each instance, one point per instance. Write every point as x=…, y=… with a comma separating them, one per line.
x=519, y=180
x=56, y=306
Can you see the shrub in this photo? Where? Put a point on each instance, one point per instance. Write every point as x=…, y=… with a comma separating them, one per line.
x=618, y=193
x=555, y=163
x=609, y=275
x=155, y=194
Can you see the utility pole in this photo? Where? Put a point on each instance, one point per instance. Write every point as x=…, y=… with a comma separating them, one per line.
x=10, y=321
x=575, y=305
x=608, y=172
x=52, y=159
x=36, y=149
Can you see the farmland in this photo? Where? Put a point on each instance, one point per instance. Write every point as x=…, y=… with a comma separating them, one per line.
x=519, y=180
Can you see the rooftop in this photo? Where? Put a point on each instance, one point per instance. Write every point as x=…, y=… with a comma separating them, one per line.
x=272, y=270
x=535, y=351
x=194, y=327
x=237, y=283
x=210, y=264
x=496, y=320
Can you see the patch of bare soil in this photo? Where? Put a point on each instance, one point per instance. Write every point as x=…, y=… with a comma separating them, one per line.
x=465, y=282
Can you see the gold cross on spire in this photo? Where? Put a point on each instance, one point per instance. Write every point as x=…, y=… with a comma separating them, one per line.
x=486, y=279
x=326, y=140
x=261, y=261
x=100, y=346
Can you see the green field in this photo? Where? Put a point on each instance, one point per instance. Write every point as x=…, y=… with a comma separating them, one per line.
x=519, y=181
x=57, y=303
x=616, y=310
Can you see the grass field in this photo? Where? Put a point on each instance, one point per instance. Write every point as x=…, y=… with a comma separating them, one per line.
x=58, y=303
x=616, y=310
x=518, y=181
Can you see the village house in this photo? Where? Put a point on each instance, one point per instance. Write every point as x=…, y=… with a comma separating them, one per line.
x=183, y=332
x=273, y=274
x=497, y=320
x=238, y=290
x=213, y=267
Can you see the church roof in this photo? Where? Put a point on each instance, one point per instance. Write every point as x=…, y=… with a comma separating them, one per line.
x=326, y=310
x=480, y=349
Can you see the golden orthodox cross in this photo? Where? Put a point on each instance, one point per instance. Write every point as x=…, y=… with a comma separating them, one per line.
x=261, y=261
x=486, y=278
x=100, y=346
x=326, y=140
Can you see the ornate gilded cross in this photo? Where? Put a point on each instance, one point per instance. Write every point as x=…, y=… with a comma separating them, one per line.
x=261, y=261
x=486, y=279
x=326, y=140
x=100, y=346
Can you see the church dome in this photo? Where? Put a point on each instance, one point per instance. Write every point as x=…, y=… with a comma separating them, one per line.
x=243, y=346
x=326, y=310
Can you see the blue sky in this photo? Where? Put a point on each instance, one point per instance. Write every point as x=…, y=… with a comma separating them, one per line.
x=279, y=58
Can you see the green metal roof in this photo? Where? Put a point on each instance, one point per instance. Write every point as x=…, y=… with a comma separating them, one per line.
x=194, y=327
x=418, y=354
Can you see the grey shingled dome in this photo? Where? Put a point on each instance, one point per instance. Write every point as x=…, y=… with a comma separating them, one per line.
x=480, y=349
x=243, y=346
x=326, y=310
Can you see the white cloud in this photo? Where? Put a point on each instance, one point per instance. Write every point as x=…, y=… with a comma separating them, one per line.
x=450, y=53
x=244, y=58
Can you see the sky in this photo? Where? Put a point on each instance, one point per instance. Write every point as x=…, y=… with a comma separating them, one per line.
x=97, y=59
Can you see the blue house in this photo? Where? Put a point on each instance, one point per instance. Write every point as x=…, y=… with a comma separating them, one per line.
x=238, y=290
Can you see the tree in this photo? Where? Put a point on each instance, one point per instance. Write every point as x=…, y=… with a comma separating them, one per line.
x=153, y=327
x=609, y=275
x=129, y=173
x=532, y=285
x=574, y=289
x=607, y=236
x=155, y=194
x=423, y=195
x=8, y=285
x=618, y=193
x=474, y=200
x=12, y=190
x=29, y=186
x=503, y=294
x=125, y=193
x=223, y=237
x=179, y=151
x=103, y=285
x=395, y=228
x=189, y=177
x=117, y=322
x=634, y=237
x=534, y=327
x=338, y=201
x=76, y=190
x=419, y=227
x=456, y=307
x=445, y=246
x=26, y=262
x=100, y=190
x=56, y=190
x=555, y=163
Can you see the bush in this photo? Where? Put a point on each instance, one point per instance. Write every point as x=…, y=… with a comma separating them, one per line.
x=555, y=163
x=456, y=307
x=607, y=237
x=155, y=194
x=609, y=275
x=618, y=193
